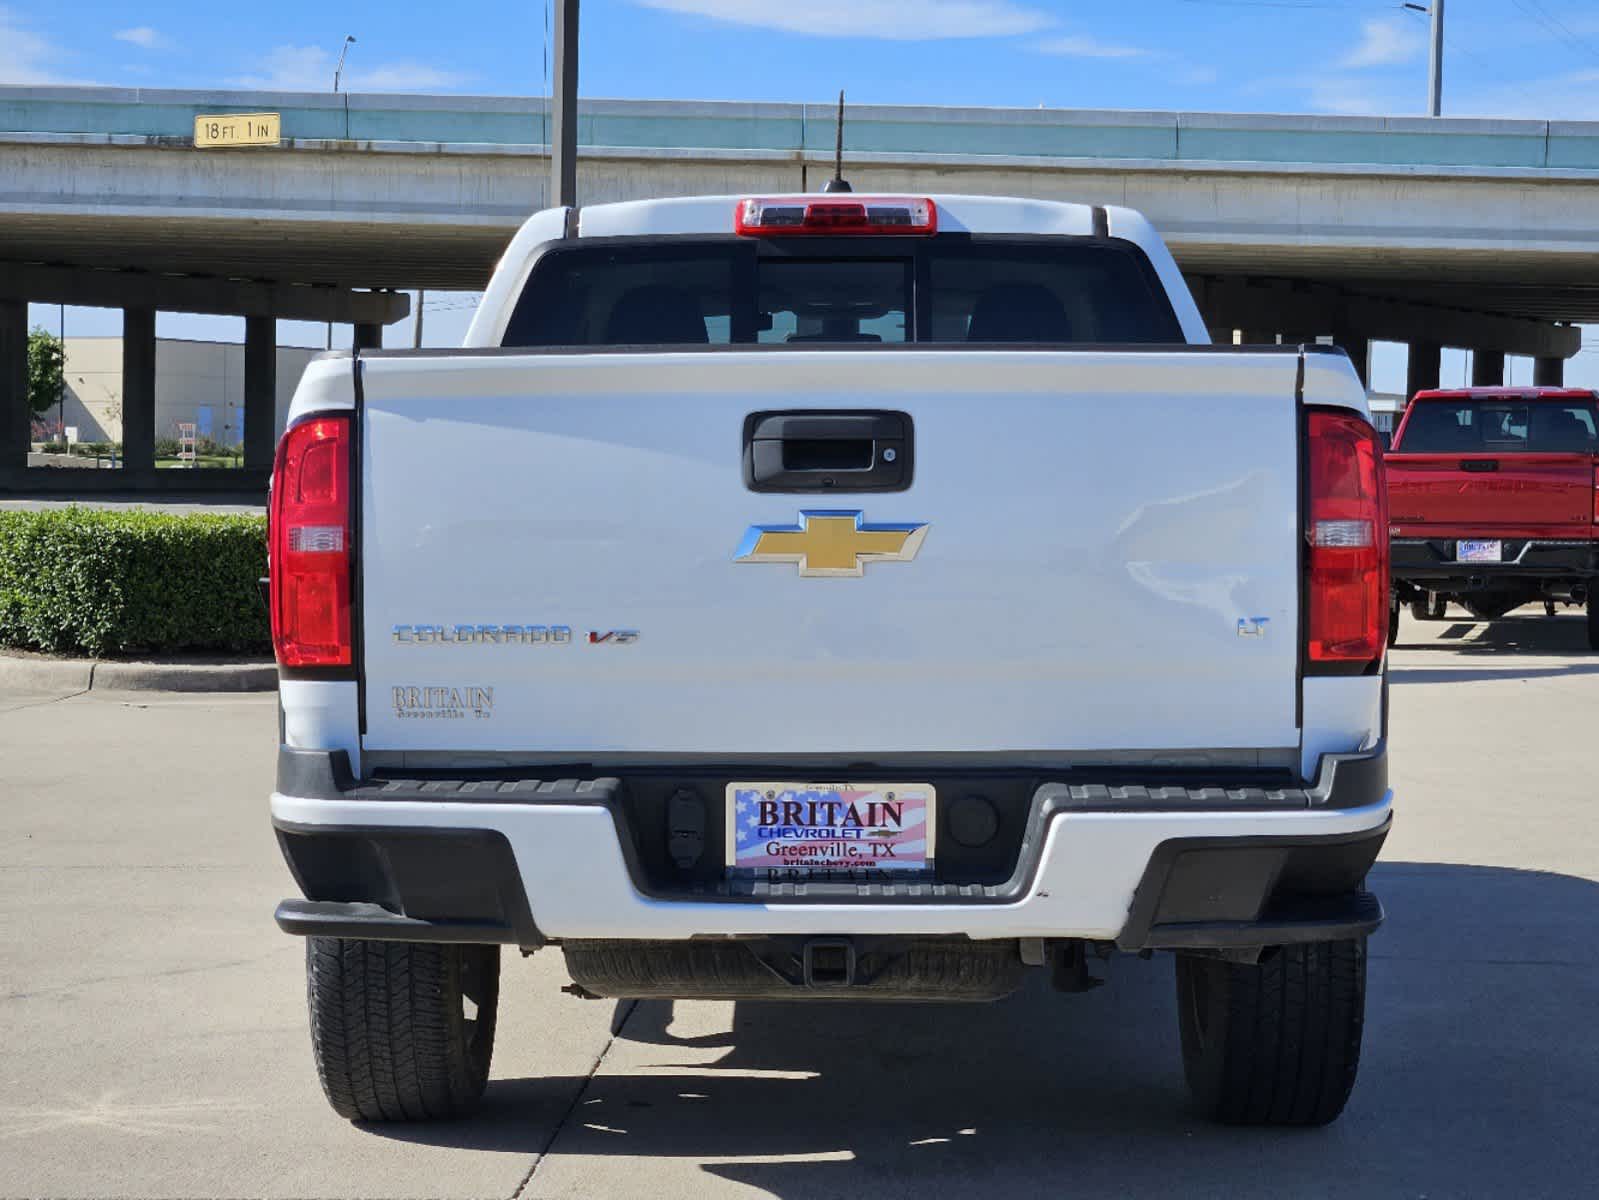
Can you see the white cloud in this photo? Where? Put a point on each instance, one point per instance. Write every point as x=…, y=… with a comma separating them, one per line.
x=293, y=69
x=1353, y=97
x=143, y=37
x=404, y=76
x=892, y=20
x=1572, y=96
x=1384, y=42
x=1567, y=96
x=27, y=57
x=1082, y=46
x=310, y=69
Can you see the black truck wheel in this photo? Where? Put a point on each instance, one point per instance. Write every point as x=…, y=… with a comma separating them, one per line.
x=1394, y=609
x=1593, y=621
x=1277, y=1043
x=401, y=1031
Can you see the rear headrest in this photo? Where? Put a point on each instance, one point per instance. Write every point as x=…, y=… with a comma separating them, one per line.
x=1559, y=421
x=1440, y=427
x=656, y=314
x=1018, y=312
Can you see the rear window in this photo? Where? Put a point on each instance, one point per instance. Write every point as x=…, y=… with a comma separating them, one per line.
x=725, y=292
x=1501, y=426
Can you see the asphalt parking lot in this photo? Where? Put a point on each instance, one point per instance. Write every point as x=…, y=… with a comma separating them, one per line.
x=154, y=1043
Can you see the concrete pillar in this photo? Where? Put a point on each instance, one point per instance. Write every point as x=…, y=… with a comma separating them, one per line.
x=369, y=337
x=1548, y=372
x=15, y=416
x=260, y=389
x=1487, y=368
x=138, y=388
x=1358, y=347
x=1422, y=367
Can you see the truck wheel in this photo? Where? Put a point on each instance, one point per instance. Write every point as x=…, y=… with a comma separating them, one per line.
x=401, y=1031
x=1394, y=609
x=1277, y=1043
x=1593, y=622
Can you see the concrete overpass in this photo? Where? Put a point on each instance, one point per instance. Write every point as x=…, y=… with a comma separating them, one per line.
x=1472, y=233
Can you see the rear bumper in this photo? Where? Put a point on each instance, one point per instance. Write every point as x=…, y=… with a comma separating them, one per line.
x=521, y=862
x=1431, y=562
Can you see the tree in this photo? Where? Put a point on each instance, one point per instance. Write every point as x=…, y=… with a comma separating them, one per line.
x=46, y=363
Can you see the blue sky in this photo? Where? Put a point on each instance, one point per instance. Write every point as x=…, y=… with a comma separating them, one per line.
x=1523, y=58
x=1505, y=57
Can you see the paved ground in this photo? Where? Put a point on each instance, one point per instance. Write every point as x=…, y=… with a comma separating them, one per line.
x=154, y=1040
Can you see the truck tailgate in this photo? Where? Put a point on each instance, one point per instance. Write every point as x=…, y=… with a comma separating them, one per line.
x=1490, y=493
x=1100, y=529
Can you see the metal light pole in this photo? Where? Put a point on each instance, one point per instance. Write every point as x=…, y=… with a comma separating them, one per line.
x=563, y=129
x=1435, y=60
x=349, y=40
x=1435, y=64
x=61, y=393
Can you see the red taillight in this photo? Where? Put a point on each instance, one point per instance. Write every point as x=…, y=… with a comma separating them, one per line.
x=769, y=216
x=1347, y=535
x=310, y=545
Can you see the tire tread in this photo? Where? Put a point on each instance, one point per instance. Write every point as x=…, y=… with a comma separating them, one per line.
x=1283, y=1047
x=386, y=1034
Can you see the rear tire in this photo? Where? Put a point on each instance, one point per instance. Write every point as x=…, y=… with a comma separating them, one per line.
x=1278, y=1043
x=1394, y=609
x=1593, y=622
x=401, y=1031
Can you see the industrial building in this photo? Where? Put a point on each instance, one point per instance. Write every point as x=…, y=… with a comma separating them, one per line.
x=199, y=383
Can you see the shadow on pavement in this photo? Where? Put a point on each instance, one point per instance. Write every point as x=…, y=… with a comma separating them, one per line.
x=1506, y=674
x=1478, y=1078
x=1566, y=633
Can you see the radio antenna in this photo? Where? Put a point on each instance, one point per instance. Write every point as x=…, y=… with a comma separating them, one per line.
x=838, y=183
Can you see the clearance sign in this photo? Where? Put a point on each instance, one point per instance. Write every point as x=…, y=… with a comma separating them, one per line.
x=238, y=129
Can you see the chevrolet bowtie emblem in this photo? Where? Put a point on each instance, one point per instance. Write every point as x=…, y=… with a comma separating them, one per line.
x=831, y=543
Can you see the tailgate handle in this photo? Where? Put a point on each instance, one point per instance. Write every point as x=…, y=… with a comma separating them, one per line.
x=828, y=451
x=1479, y=464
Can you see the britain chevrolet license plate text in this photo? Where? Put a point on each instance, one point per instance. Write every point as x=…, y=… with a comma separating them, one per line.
x=816, y=828
x=1478, y=551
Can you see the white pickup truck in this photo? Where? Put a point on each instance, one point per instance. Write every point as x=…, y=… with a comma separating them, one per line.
x=838, y=597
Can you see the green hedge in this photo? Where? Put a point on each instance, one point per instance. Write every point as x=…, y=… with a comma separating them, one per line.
x=98, y=582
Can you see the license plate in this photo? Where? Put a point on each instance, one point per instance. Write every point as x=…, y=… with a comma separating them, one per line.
x=1491, y=551
x=820, y=828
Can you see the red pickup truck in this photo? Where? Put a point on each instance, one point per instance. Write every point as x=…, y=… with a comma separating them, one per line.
x=1494, y=502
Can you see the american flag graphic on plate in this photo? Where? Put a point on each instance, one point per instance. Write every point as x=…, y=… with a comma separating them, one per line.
x=826, y=827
